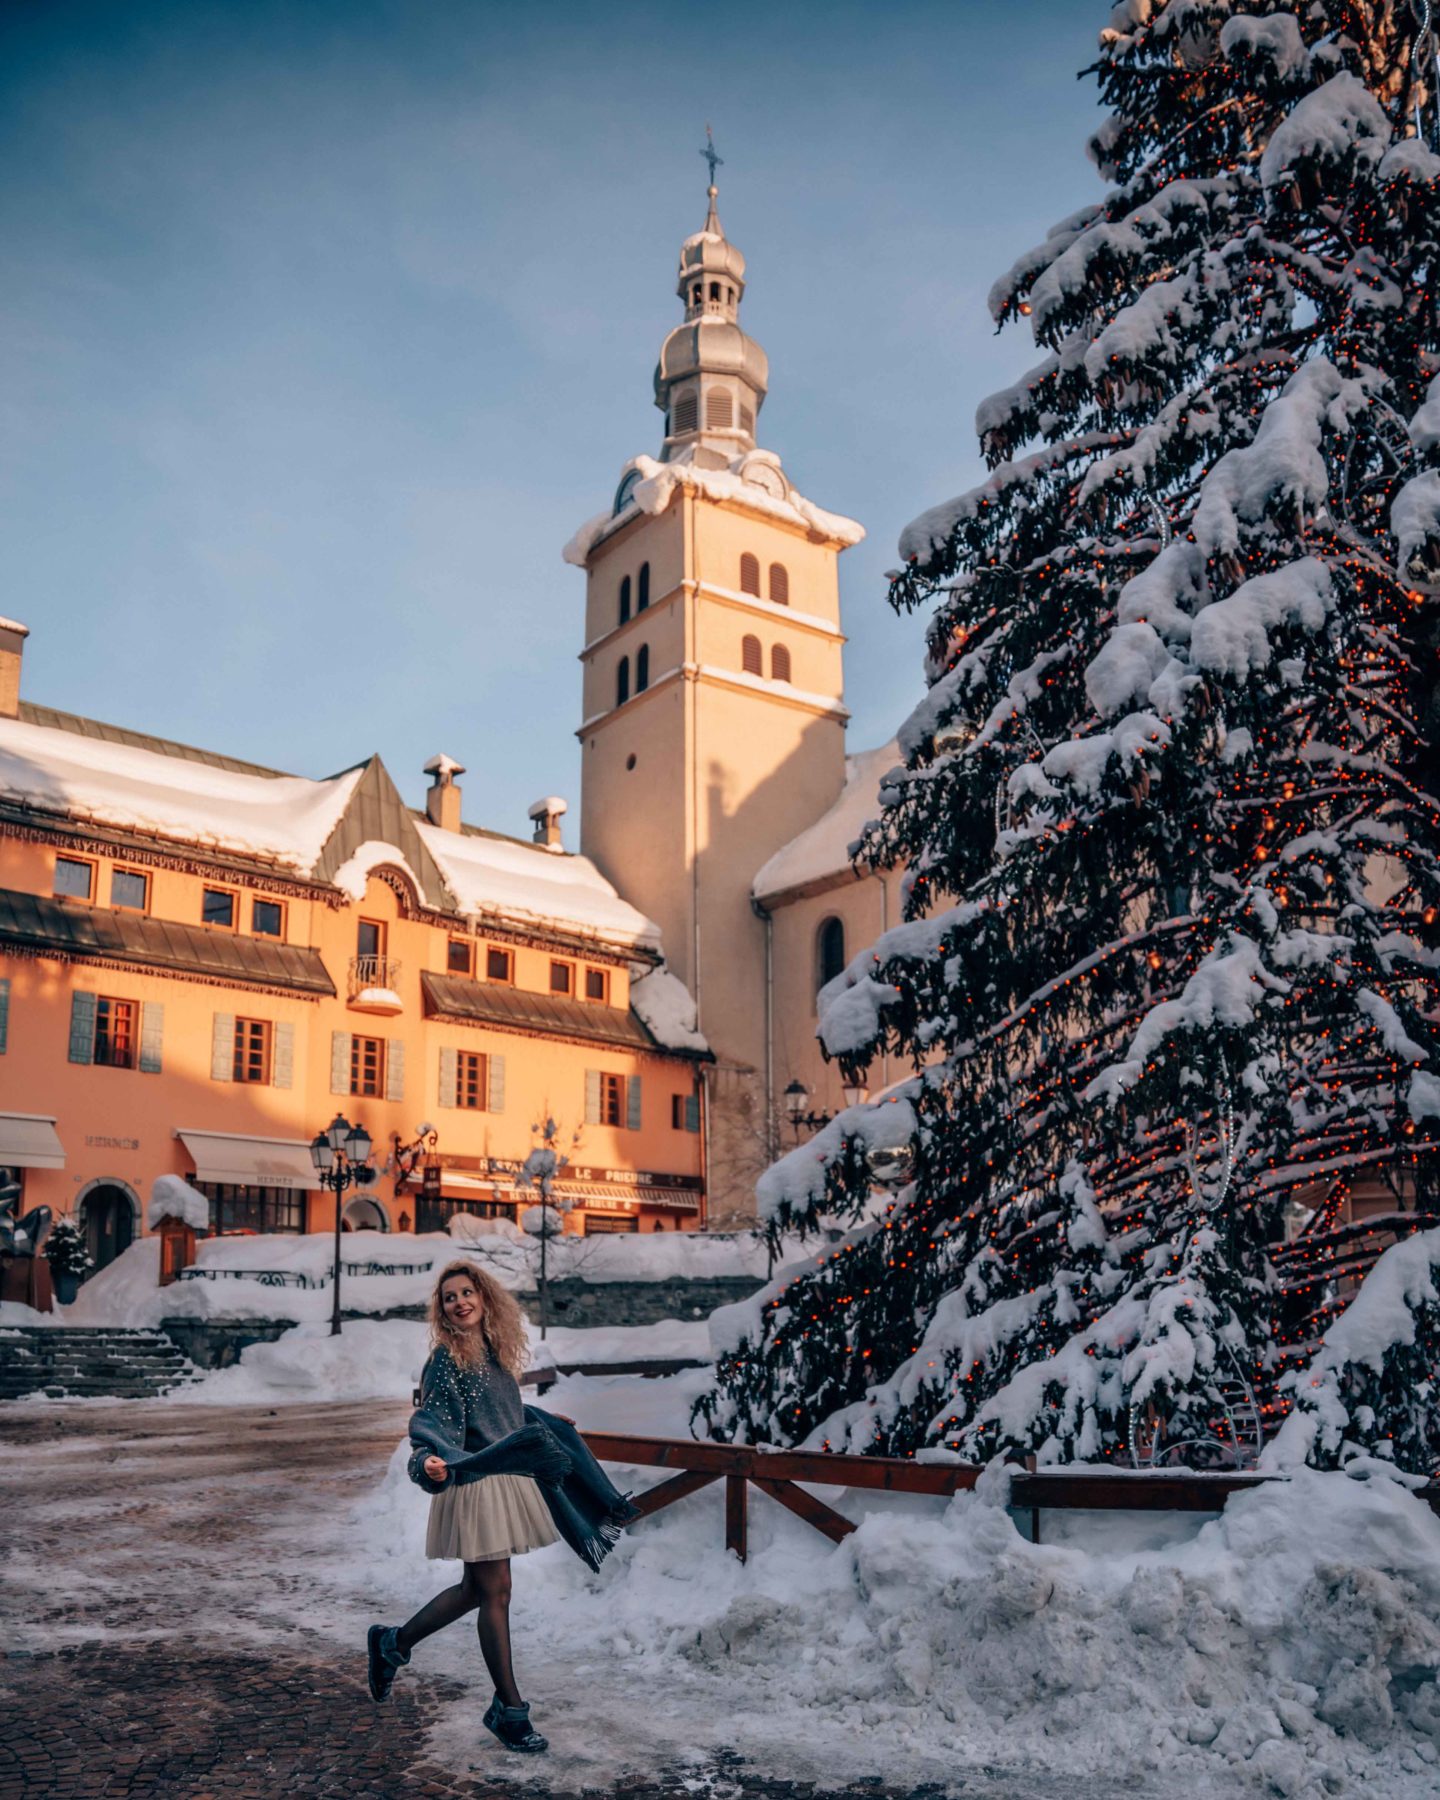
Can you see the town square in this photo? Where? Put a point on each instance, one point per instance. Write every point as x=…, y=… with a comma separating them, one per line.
x=720, y=900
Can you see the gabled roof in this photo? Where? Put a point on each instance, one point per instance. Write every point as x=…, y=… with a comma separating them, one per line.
x=375, y=814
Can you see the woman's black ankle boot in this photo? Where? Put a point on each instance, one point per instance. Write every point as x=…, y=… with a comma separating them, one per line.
x=511, y=1724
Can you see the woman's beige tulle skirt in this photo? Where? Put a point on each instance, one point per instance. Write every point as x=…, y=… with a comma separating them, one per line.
x=499, y=1515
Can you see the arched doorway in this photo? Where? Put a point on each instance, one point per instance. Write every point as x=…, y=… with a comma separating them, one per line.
x=365, y=1215
x=107, y=1214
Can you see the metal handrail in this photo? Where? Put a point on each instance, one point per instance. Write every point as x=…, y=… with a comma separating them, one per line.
x=373, y=972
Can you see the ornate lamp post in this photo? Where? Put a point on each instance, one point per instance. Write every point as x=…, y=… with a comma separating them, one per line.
x=341, y=1155
x=797, y=1106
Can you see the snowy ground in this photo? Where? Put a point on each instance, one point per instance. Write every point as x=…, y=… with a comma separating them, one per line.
x=1287, y=1647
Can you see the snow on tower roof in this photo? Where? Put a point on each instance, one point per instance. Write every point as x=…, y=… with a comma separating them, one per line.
x=658, y=482
x=282, y=819
x=822, y=850
x=528, y=883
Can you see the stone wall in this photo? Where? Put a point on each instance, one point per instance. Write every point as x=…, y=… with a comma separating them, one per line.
x=216, y=1343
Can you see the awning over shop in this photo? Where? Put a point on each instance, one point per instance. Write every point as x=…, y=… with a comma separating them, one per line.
x=28, y=1141
x=250, y=1161
x=611, y=1197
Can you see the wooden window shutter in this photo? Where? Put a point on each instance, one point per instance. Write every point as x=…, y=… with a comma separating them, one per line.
x=592, y=1096
x=4, y=1015
x=152, y=1036
x=395, y=1069
x=495, y=1084
x=750, y=655
x=779, y=584
x=750, y=574
x=222, y=1048
x=449, y=1075
x=692, y=1112
x=632, y=1102
x=282, y=1059
x=82, y=1028
x=779, y=663
x=340, y=1062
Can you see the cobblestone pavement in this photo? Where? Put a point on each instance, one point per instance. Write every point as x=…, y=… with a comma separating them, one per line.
x=158, y=1638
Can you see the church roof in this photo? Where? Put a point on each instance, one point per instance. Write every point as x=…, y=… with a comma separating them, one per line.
x=820, y=856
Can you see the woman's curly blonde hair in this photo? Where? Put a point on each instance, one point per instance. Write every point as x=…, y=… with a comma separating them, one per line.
x=501, y=1335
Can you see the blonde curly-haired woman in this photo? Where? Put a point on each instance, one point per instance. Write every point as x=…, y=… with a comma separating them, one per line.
x=504, y=1479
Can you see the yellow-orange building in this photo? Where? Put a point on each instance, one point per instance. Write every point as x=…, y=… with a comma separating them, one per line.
x=202, y=960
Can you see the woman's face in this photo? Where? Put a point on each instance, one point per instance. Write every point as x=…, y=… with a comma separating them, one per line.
x=460, y=1302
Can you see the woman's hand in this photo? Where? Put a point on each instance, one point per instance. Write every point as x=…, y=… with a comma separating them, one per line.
x=435, y=1469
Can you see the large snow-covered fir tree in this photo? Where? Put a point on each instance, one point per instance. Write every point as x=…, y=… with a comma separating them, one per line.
x=1169, y=959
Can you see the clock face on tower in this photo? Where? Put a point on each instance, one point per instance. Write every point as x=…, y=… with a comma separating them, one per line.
x=765, y=475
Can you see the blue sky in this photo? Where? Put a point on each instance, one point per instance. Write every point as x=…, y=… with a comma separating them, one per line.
x=322, y=326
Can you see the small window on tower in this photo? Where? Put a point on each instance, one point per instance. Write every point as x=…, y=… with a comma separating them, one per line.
x=697, y=293
x=714, y=290
x=687, y=413
x=624, y=599
x=750, y=574
x=643, y=596
x=719, y=415
x=750, y=657
x=779, y=584
x=779, y=663
x=642, y=668
x=622, y=681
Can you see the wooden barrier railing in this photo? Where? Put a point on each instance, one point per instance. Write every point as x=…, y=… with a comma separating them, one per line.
x=777, y=1473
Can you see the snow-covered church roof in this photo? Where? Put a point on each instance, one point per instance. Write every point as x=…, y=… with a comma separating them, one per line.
x=821, y=852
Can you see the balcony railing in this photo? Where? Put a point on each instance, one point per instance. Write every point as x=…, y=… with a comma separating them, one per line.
x=374, y=984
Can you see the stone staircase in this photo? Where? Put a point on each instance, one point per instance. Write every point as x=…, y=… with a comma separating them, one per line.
x=99, y=1362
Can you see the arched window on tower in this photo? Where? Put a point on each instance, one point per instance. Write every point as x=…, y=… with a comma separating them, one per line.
x=750, y=656
x=622, y=681
x=642, y=668
x=779, y=663
x=829, y=951
x=779, y=584
x=697, y=293
x=714, y=290
x=719, y=414
x=624, y=599
x=687, y=413
x=642, y=599
x=750, y=574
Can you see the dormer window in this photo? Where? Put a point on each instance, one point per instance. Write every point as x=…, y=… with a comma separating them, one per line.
x=626, y=490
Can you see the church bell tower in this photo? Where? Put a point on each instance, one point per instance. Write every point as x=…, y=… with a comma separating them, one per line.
x=713, y=715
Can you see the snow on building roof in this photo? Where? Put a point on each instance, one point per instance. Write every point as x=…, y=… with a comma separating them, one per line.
x=658, y=482
x=666, y=1008
x=282, y=819
x=529, y=883
x=822, y=850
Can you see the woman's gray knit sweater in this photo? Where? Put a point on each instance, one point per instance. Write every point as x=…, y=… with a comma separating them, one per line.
x=474, y=1420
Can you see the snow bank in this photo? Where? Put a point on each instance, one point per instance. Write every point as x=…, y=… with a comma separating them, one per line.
x=128, y=1291
x=280, y=817
x=666, y=1008
x=823, y=849
x=381, y=1359
x=1286, y=1647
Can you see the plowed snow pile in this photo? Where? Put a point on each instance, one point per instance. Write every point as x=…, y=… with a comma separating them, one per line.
x=1287, y=1646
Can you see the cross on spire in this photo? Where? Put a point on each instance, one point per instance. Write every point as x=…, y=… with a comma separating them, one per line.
x=711, y=155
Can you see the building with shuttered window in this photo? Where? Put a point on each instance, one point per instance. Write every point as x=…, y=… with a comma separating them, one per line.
x=202, y=961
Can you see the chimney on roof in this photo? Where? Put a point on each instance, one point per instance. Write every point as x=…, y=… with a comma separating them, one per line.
x=12, y=652
x=547, y=814
x=442, y=798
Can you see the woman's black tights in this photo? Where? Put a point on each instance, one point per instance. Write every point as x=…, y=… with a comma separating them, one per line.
x=485, y=1585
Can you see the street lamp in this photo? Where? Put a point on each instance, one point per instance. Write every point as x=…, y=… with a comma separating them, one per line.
x=797, y=1105
x=341, y=1155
